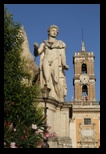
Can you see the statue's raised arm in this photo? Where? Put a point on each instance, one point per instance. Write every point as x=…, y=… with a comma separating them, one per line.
x=38, y=49
x=36, y=46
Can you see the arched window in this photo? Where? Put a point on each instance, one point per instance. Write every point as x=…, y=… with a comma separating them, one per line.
x=84, y=91
x=84, y=68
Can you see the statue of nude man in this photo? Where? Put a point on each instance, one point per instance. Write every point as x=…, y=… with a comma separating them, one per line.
x=53, y=64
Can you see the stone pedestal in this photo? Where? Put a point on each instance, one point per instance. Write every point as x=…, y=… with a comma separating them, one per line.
x=58, y=120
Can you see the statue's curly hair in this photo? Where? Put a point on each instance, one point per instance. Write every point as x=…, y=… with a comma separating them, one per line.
x=53, y=26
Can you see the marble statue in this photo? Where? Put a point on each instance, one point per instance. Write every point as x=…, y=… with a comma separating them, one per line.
x=53, y=64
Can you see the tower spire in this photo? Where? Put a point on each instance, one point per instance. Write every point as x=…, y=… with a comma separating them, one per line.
x=83, y=47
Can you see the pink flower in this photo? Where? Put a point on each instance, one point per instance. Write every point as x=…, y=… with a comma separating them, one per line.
x=52, y=134
x=34, y=126
x=36, y=132
x=46, y=134
x=12, y=145
x=11, y=126
x=44, y=137
x=4, y=143
x=14, y=129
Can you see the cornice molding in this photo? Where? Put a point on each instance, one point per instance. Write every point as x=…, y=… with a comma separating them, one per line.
x=86, y=110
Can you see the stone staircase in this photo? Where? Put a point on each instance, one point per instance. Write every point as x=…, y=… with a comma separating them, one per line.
x=60, y=142
x=64, y=142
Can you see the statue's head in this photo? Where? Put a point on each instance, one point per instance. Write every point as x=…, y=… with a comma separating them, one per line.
x=53, y=26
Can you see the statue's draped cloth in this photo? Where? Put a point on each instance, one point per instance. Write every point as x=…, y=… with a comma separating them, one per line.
x=53, y=59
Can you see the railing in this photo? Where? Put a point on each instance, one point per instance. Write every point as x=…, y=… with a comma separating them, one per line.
x=85, y=103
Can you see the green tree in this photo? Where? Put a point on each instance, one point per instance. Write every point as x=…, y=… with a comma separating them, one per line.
x=20, y=107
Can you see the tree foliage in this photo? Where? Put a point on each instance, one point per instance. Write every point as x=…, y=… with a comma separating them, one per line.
x=20, y=107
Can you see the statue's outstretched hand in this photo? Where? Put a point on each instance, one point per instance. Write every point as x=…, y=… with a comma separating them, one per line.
x=36, y=45
x=66, y=67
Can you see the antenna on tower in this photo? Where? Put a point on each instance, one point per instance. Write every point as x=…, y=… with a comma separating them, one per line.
x=82, y=34
x=83, y=48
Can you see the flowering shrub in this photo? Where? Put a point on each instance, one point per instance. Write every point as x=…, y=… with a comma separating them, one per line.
x=22, y=136
x=46, y=135
x=20, y=104
x=53, y=134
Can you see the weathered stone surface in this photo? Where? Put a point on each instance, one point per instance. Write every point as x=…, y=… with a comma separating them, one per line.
x=53, y=64
x=30, y=65
x=64, y=142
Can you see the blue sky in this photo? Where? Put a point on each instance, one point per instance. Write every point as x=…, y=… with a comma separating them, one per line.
x=71, y=19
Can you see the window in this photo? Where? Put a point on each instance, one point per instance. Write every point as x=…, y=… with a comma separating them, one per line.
x=84, y=91
x=84, y=68
x=87, y=121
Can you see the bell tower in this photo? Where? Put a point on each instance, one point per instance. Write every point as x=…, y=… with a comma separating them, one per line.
x=85, y=121
x=84, y=78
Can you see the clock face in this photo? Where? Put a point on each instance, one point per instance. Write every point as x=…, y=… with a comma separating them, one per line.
x=84, y=78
